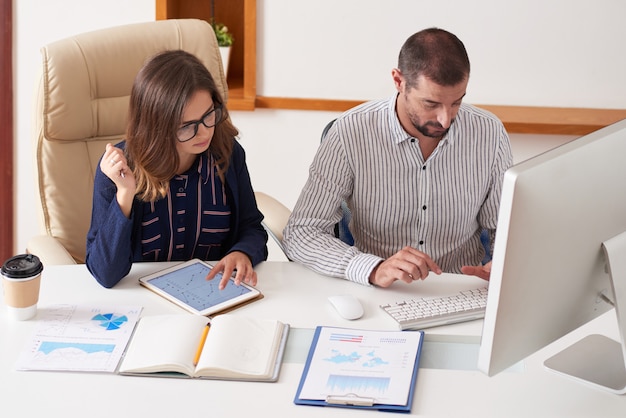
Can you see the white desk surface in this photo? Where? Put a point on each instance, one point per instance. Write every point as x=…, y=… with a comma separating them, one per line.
x=297, y=296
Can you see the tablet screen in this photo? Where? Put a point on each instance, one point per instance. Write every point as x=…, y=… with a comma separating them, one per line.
x=187, y=284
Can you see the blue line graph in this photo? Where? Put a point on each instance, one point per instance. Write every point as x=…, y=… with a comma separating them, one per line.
x=190, y=286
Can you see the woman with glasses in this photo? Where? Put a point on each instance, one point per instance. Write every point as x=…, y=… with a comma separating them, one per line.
x=178, y=187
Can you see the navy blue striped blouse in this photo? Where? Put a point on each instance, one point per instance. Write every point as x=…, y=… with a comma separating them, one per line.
x=199, y=218
x=193, y=219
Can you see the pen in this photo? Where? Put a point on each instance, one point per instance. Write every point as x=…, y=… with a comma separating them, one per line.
x=205, y=332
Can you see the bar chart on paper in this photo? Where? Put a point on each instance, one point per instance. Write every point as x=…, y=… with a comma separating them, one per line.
x=76, y=338
x=357, y=384
x=364, y=364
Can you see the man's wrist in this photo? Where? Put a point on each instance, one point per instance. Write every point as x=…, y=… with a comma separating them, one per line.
x=372, y=277
x=360, y=268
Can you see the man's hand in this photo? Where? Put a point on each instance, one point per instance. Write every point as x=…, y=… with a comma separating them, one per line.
x=484, y=272
x=407, y=265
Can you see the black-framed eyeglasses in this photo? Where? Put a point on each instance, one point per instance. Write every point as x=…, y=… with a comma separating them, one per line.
x=190, y=129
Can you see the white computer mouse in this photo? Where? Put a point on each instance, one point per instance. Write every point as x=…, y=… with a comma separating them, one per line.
x=347, y=306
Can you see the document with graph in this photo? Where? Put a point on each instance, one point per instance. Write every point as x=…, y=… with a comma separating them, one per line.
x=361, y=369
x=79, y=338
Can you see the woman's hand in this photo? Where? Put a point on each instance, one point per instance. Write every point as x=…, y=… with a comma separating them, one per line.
x=115, y=166
x=235, y=261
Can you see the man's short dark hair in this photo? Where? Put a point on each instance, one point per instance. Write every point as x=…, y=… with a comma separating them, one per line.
x=437, y=55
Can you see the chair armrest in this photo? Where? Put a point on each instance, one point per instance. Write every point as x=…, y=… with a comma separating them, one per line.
x=49, y=250
x=275, y=214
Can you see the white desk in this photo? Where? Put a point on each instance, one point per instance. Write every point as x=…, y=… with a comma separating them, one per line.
x=298, y=296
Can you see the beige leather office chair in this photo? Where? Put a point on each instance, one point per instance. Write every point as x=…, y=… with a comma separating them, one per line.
x=81, y=104
x=275, y=215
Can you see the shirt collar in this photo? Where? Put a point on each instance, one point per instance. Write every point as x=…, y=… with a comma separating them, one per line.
x=202, y=166
x=400, y=135
x=205, y=165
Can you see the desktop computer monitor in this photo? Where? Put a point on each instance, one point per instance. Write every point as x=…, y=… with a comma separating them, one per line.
x=559, y=259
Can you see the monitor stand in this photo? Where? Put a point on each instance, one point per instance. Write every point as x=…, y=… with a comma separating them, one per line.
x=596, y=359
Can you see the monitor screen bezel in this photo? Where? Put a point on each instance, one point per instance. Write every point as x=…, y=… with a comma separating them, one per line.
x=548, y=272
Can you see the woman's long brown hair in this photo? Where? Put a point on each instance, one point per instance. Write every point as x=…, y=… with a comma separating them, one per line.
x=160, y=92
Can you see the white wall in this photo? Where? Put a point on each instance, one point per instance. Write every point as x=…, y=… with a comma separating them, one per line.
x=564, y=53
x=531, y=52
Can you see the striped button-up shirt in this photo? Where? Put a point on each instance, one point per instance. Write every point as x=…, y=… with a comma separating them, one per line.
x=396, y=198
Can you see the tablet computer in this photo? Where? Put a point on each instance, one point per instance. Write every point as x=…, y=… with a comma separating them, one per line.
x=185, y=284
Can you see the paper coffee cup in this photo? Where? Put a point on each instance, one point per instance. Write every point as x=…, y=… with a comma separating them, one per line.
x=21, y=279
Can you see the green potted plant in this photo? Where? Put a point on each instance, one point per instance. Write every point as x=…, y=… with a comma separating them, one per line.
x=224, y=38
x=224, y=41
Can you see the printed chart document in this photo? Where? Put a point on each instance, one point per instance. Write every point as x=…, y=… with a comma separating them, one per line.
x=79, y=338
x=231, y=347
x=361, y=369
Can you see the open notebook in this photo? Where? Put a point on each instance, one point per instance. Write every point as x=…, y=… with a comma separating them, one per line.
x=234, y=348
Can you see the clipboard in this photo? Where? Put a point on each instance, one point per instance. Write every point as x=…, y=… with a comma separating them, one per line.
x=346, y=340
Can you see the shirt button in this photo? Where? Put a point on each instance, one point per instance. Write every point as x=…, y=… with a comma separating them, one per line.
x=421, y=242
x=424, y=207
x=424, y=167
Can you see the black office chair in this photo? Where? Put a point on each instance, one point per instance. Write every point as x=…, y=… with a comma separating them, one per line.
x=484, y=239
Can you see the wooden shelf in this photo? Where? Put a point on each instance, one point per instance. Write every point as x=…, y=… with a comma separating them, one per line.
x=240, y=18
x=555, y=120
x=516, y=119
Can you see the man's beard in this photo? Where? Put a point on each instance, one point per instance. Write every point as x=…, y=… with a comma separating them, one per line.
x=436, y=132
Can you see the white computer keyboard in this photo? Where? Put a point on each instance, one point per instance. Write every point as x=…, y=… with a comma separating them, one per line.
x=434, y=311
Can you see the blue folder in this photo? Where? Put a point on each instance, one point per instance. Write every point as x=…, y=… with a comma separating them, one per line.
x=353, y=400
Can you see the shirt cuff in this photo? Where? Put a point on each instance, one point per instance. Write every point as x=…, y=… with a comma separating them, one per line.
x=360, y=268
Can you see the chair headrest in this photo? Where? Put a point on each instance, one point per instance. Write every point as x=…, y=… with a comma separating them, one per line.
x=87, y=78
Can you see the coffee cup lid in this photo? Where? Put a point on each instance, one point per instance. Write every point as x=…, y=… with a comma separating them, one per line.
x=23, y=265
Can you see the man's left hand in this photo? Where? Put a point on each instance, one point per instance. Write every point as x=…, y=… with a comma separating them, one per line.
x=483, y=271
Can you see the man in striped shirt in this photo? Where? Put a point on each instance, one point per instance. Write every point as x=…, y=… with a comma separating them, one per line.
x=421, y=173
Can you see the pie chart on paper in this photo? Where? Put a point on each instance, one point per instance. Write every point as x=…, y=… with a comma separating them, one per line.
x=110, y=321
